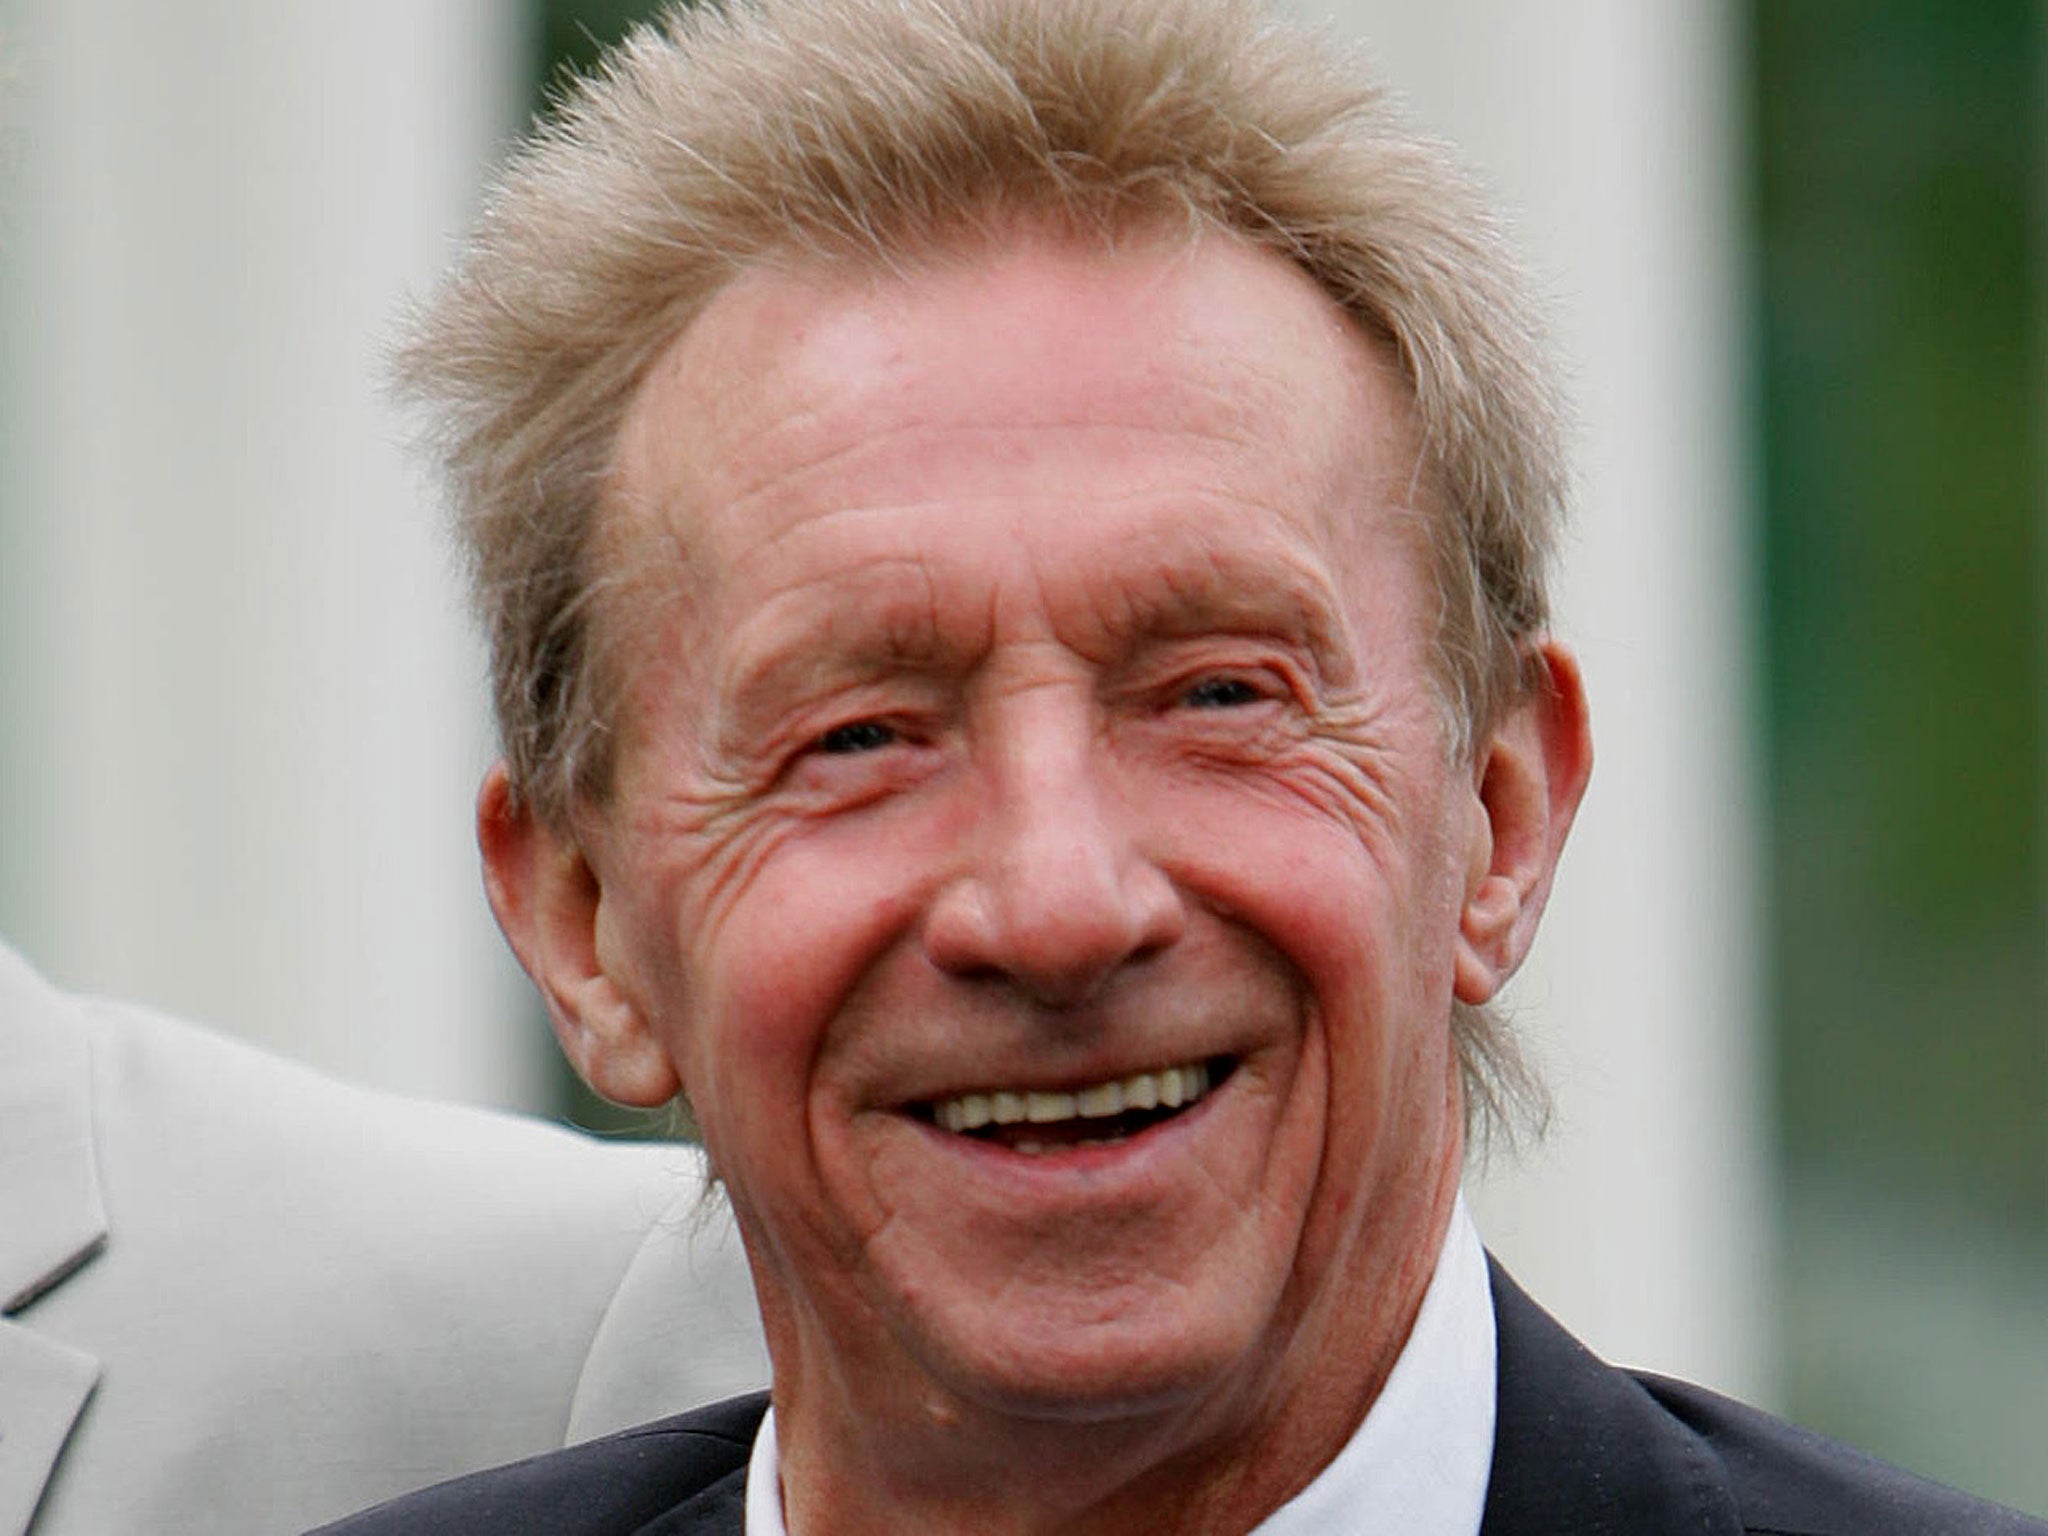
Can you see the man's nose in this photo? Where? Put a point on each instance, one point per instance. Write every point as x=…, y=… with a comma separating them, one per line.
x=1057, y=894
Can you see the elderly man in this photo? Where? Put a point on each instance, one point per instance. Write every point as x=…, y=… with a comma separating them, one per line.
x=1013, y=533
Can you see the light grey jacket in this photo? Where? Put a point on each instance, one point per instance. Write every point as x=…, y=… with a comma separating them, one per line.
x=241, y=1297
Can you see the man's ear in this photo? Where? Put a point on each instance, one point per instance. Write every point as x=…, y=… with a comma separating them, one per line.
x=1529, y=774
x=549, y=902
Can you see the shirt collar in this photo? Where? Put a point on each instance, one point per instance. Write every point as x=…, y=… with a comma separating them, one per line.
x=1418, y=1464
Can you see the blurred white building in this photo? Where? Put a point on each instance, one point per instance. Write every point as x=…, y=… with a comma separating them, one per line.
x=242, y=711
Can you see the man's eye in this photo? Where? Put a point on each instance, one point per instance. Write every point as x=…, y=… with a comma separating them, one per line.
x=859, y=736
x=1221, y=693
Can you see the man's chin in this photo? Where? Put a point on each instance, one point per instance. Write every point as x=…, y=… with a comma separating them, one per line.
x=1071, y=1365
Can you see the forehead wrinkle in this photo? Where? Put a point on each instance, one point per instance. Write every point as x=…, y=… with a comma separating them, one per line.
x=825, y=538
x=771, y=479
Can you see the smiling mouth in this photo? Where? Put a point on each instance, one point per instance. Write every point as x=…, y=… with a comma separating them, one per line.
x=1036, y=1121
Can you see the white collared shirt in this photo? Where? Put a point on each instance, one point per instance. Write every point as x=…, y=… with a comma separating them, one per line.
x=1418, y=1464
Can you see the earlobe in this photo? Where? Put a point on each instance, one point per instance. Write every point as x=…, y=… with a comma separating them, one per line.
x=549, y=902
x=1529, y=776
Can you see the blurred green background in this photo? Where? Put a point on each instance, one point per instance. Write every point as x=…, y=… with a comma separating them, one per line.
x=1898, y=208
x=1897, y=204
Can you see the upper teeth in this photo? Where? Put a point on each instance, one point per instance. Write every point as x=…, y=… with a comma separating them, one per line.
x=1170, y=1086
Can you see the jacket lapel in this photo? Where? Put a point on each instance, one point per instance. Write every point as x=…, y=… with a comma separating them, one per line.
x=1579, y=1449
x=51, y=1222
x=43, y=1385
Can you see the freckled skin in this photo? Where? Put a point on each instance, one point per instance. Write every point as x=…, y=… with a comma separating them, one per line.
x=1046, y=700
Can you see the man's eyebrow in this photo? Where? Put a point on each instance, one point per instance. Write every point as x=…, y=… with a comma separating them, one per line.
x=863, y=630
x=1284, y=595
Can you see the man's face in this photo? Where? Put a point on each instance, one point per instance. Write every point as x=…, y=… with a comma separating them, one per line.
x=1039, y=735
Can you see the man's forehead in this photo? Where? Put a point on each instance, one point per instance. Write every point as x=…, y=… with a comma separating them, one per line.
x=809, y=397
x=790, y=353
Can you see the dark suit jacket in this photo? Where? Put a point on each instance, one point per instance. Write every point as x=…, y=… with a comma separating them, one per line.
x=1580, y=1449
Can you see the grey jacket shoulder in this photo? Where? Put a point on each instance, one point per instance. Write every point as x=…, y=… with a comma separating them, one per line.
x=241, y=1295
